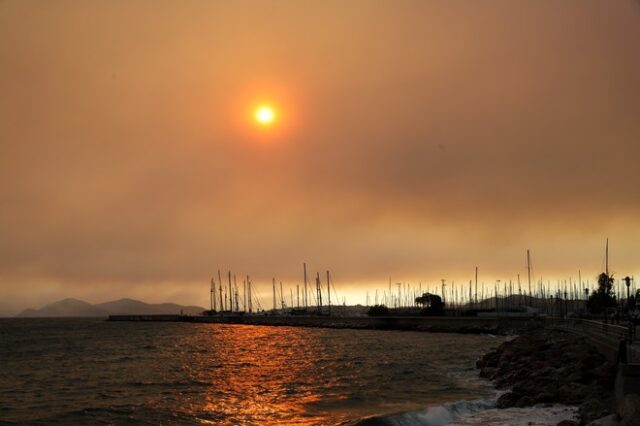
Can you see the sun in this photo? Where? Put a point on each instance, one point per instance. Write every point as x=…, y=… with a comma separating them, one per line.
x=265, y=115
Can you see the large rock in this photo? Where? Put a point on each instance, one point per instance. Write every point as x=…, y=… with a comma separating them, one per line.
x=629, y=410
x=509, y=399
x=545, y=366
x=595, y=408
x=610, y=420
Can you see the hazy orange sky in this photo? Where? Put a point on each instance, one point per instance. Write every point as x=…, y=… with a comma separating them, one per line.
x=415, y=139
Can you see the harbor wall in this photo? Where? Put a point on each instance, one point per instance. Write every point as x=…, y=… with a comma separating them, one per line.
x=474, y=325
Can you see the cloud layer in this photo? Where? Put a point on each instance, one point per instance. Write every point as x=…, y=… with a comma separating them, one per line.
x=421, y=139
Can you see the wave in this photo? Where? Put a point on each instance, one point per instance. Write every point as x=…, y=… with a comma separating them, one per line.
x=439, y=415
x=478, y=412
x=138, y=415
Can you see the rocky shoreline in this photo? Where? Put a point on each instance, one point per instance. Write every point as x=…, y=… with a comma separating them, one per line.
x=545, y=366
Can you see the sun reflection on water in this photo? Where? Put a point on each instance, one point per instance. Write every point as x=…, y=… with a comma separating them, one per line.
x=266, y=374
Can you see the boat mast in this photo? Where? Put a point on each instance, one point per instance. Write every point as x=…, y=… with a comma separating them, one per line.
x=319, y=292
x=220, y=288
x=249, y=295
x=476, y=296
x=529, y=271
x=606, y=256
x=230, y=292
x=281, y=296
x=212, y=294
x=579, y=279
x=329, y=292
x=274, y=294
x=237, y=293
x=306, y=305
x=244, y=295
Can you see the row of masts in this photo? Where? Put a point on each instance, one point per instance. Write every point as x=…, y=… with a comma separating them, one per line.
x=227, y=297
x=476, y=295
x=511, y=293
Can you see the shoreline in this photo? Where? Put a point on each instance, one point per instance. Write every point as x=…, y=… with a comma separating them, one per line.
x=545, y=366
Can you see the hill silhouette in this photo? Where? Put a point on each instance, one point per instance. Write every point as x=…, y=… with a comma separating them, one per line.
x=78, y=308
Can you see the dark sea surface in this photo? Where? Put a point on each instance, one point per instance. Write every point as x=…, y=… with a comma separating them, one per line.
x=83, y=371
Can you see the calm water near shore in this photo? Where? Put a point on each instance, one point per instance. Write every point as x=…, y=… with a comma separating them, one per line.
x=72, y=371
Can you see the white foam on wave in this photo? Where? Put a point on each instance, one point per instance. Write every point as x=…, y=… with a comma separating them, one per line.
x=481, y=412
x=439, y=415
x=539, y=415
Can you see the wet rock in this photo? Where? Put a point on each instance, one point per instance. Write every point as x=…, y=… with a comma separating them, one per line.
x=629, y=410
x=610, y=420
x=595, y=408
x=525, y=401
x=489, y=372
x=509, y=399
x=545, y=366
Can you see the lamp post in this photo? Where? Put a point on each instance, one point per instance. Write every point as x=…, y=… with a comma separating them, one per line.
x=586, y=298
x=627, y=282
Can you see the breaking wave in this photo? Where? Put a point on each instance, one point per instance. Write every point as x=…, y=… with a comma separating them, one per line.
x=478, y=412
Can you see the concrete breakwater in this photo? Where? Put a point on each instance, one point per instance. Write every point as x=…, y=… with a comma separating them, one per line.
x=474, y=325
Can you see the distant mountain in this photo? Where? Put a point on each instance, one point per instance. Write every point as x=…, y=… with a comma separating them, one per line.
x=65, y=308
x=130, y=306
x=78, y=308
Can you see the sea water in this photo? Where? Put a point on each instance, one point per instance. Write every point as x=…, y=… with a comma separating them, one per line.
x=83, y=371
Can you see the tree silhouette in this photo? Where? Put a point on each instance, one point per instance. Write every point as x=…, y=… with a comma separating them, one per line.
x=602, y=299
x=431, y=303
x=378, y=311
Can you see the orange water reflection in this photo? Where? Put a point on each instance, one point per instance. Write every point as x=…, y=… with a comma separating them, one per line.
x=260, y=375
